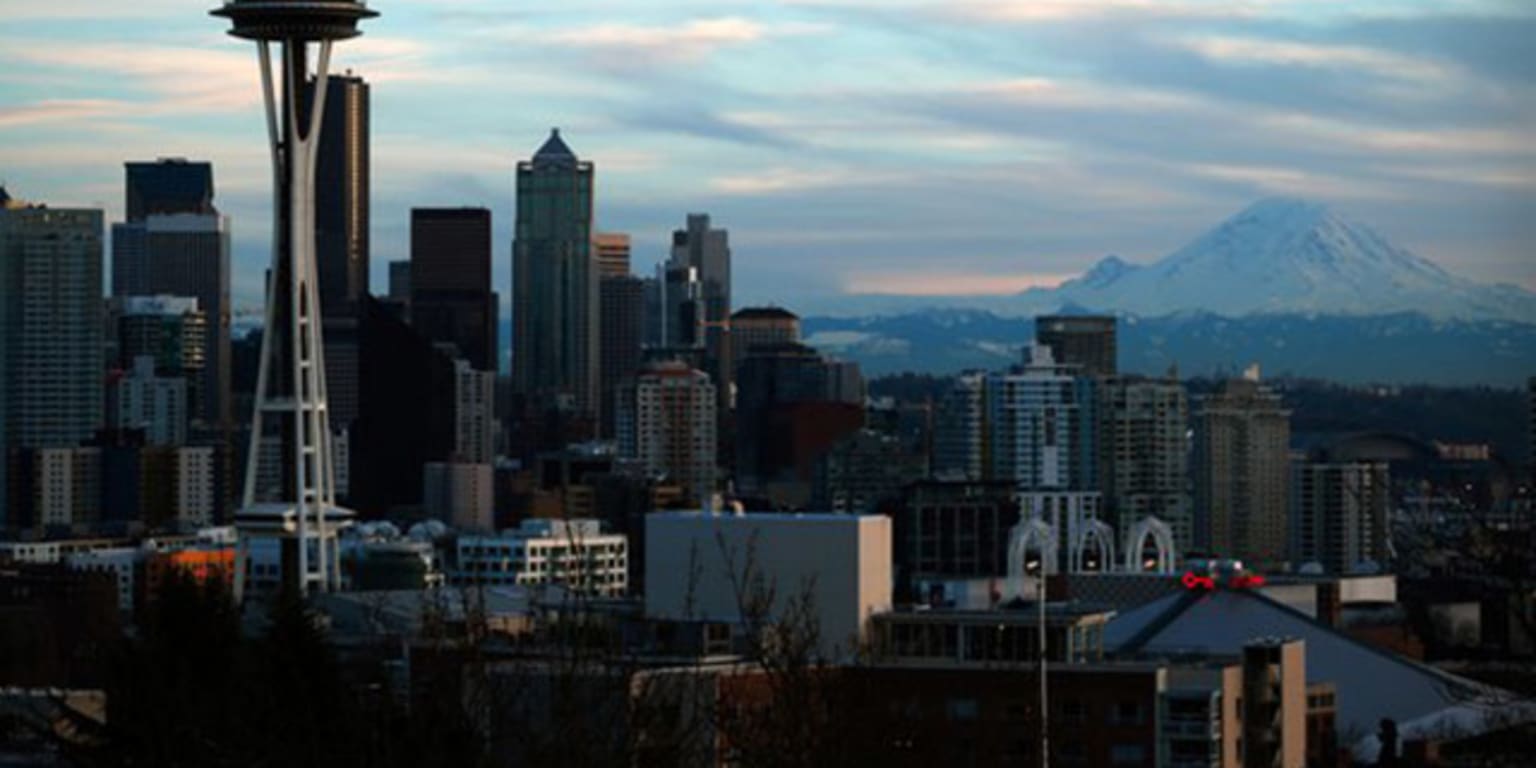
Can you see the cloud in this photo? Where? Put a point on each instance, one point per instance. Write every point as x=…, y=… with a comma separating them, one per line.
x=673, y=43
x=1379, y=63
x=57, y=110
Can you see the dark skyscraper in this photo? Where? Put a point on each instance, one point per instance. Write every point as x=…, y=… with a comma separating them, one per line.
x=175, y=243
x=1087, y=341
x=341, y=237
x=554, y=283
x=708, y=252
x=623, y=336
x=451, y=299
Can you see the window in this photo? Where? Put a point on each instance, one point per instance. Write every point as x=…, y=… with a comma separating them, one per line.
x=1127, y=755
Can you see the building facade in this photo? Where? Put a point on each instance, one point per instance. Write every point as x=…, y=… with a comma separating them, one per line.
x=451, y=298
x=461, y=494
x=1242, y=473
x=152, y=403
x=622, y=341
x=761, y=327
x=1338, y=515
x=575, y=554
x=50, y=329
x=1086, y=341
x=1143, y=427
x=474, y=414
x=666, y=422
x=555, y=319
x=170, y=330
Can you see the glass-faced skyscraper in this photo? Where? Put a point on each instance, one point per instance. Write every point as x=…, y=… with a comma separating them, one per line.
x=341, y=236
x=555, y=283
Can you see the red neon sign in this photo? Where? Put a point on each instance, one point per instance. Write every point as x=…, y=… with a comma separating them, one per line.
x=1193, y=581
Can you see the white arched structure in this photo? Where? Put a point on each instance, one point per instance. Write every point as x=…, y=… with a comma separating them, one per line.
x=1031, y=535
x=1097, y=537
x=1161, y=538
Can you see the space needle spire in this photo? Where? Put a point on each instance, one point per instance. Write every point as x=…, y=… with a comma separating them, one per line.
x=298, y=512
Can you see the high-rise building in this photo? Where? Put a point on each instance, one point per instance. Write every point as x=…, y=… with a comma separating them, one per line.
x=554, y=282
x=708, y=252
x=666, y=421
x=612, y=254
x=172, y=331
x=1338, y=514
x=960, y=435
x=153, y=403
x=1143, y=427
x=1040, y=419
x=1086, y=341
x=862, y=471
x=954, y=529
x=176, y=243
x=451, y=297
x=50, y=328
x=460, y=493
x=342, y=208
x=791, y=406
x=760, y=327
x=1242, y=478
x=622, y=340
x=474, y=412
x=400, y=281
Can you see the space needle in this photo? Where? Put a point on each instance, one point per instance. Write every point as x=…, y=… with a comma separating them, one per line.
x=298, y=512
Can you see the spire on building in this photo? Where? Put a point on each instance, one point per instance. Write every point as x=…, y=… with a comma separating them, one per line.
x=554, y=149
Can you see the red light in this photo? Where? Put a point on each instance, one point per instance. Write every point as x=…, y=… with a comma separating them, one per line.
x=1192, y=581
x=1247, y=581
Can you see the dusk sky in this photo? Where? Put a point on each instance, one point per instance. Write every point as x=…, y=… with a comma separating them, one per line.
x=850, y=146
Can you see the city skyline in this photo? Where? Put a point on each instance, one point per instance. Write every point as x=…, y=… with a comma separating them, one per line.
x=1024, y=142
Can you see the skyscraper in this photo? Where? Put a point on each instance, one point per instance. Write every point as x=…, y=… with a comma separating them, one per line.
x=451, y=298
x=554, y=283
x=792, y=405
x=1338, y=514
x=342, y=209
x=1086, y=341
x=1242, y=457
x=172, y=330
x=708, y=252
x=176, y=243
x=1040, y=421
x=760, y=327
x=612, y=254
x=50, y=329
x=622, y=340
x=1143, y=425
x=667, y=422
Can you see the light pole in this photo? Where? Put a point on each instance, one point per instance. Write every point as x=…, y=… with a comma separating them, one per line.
x=290, y=381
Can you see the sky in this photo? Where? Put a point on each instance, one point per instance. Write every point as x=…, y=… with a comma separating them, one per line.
x=851, y=147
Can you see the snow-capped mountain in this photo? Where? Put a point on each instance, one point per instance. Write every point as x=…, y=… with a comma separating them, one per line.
x=1286, y=256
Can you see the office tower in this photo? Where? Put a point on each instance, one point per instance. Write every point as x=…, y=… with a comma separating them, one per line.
x=474, y=414
x=612, y=254
x=1241, y=454
x=400, y=281
x=953, y=529
x=50, y=328
x=1338, y=514
x=451, y=298
x=155, y=404
x=1040, y=420
x=176, y=243
x=761, y=327
x=554, y=283
x=679, y=307
x=960, y=435
x=666, y=421
x=1086, y=341
x=409, y=415
x=291, y=385
x=342, y=178
x=708, y=252
x=196, y=485
x=172, y=331
x=622, y=340
x=1143, y=426
x=791, y=406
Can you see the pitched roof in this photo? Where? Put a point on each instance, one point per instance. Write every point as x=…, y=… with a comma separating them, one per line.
x=554, y=148
x=1372, y=684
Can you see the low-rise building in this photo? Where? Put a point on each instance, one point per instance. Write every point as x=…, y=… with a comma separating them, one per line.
x=572, y=553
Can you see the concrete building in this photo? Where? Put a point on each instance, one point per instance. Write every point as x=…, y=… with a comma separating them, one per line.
x=1339, y=515
x=123, y=563
x=175, y=242
x=172, y=331
x=697, y=562
x=667, y=423
x=575, y=554
x=1242, y=473
x=1274, y=700
x=460, y=493
x=50, y=329
x=155, y=404
x=1086, y=341
x=1143, y=443
x=66, y=486
x=196, y=478
x=475, y=424
x=555, y=320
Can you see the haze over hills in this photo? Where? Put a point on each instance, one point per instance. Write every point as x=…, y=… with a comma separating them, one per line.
x=1289, y=283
